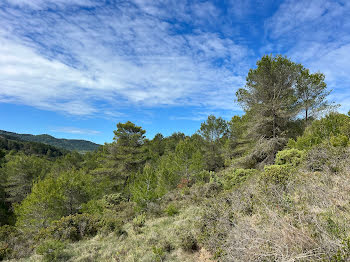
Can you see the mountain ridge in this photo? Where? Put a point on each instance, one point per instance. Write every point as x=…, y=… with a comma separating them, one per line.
x=63, y=143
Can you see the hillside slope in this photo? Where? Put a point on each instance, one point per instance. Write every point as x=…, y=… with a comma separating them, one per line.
x=68, y=144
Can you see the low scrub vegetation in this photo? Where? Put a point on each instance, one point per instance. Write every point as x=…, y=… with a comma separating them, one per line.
x=271, y=185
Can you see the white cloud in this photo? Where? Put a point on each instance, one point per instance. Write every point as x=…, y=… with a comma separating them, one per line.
x=74, y=61
x=313, y=33
x=75, y=130
x=43, y=4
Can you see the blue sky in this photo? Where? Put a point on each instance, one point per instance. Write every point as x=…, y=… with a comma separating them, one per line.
x=75, y=68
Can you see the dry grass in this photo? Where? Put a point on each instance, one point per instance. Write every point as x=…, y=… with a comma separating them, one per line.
x=305, y=221
x=164, y=232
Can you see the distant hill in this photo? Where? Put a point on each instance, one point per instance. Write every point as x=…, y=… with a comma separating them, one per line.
x=68, y=144
x=9, y=143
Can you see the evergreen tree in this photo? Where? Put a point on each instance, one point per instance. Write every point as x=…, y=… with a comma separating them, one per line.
x=4, y=206
x=269, y=96
x=213, y=131
x=55, y=197
x=312, y=93
x=156, y=146
x=144, y=186
x=127, y=152
x=21, y=172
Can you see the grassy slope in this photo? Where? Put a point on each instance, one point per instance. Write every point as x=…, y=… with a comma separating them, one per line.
x=307, y=219
x=137, y=245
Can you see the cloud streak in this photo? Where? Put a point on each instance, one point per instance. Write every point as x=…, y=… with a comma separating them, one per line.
x=75, y=130
x=315, y=33
x=74, y=59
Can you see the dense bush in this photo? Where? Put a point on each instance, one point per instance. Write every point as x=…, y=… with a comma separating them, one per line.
x=277, y=174
x=202, y=176
x=333, y=125
x=52, y=250
x=340, y=140
x=291, y=157
x=171, y=210
x=138, y=222
x=236, y=177
x=53, y=198
x=73, y=228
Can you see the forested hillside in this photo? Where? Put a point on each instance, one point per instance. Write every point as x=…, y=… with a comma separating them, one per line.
x=272, y=184
x=67, y=144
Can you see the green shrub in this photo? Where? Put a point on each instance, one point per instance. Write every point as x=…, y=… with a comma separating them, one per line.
x=334, y=124
x=7, y=235
x=159, y=254
x=339, y=140
x=73, y=227
x=237, y=177
x=111, y=202
x=202, y=176
x=52, y=250
x=171, y=210
x=138, y=222
x=111, y=223
x=342, y=254
x=291, y=157
x=277, y=174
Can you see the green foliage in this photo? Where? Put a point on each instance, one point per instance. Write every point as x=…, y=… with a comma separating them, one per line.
x=277, y=174
x=53, y=198
x=237, y=177
x=333, y=125
x=185, y=163
x=340, y=140
x=144, y=186
x=201, y=176
x=213, y=129
x=325, y=157
x=188, y=158
x=172, y=141
x=214, y=132
x=52, y=250
x=109, y=222
x=73, y=228
x=237, y=143
x=171, y=210
x=127, y=154
x=311, y=92
x=342, y=254
x=21, y=171
x=139, y=221
x=159, y=254
x=10, y=143
x=5, y=251
x=6, y=232
x=13, y=243
x=291, y=157
x=68, y=144
x=156, y=146
x=269, y=96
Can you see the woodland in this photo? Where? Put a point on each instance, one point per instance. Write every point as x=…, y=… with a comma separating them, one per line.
x=271, y=184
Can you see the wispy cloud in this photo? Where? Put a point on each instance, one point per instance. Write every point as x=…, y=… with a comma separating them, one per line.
x=75, y=130
x=315, y=34
x=71, y=59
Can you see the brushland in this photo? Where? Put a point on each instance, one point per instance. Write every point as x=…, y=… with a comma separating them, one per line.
x=270, y=185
